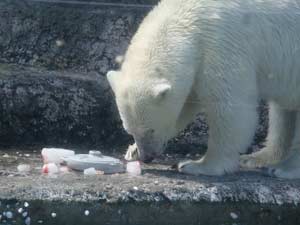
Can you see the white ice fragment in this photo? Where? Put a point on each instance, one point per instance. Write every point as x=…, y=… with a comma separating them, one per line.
x=156, y=182
x=55, y=155
x=234, y=215
x=53, y=215
x=90, y=172
x=9, y=215
x=135, y=188
x=26, y=204
x=134, y=168
x=27, y=155
x=86, y=212
x=24, y=214
x=24, y=168
x=20, y=210
x=40, y=221
x=5, y=156
x=64, y=169
x=59, y=42
x=50, y=168
x=27, y=221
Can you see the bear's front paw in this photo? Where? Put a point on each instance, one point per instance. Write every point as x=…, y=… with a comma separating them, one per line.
x=252, y=161
x=263, y=158
x=287, y=169
x=200, y=167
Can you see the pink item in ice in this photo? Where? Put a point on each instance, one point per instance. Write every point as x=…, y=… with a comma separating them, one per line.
x=134, y=168
x=55, y=155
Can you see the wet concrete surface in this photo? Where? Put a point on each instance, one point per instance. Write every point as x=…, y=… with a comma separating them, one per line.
x=158, y=184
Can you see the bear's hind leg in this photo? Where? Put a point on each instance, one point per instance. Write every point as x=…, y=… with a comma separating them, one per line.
x=280, y=134
x=290, y=167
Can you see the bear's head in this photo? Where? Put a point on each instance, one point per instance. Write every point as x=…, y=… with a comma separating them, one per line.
x=148, y=109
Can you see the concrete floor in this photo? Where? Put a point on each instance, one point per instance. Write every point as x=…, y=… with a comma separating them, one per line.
x=159, y=183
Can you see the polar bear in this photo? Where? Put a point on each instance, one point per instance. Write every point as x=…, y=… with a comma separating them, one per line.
x=219, y=58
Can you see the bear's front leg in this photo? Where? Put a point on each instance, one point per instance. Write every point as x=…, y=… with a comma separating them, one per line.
x=231, y=129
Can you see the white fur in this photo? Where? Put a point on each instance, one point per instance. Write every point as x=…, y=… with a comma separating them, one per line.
x=220, y=58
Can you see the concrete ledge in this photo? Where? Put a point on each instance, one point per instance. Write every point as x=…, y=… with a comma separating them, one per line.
x=159, y=183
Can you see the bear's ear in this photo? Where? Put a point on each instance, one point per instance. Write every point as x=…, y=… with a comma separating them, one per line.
x=112, y=77
x=160, y=90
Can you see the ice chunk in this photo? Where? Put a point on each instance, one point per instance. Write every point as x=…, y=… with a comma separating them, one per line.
x=86, y=212
x=134, y=168
x=104, y=163
x=64, y=169
x=27, y=221
x=53, y=215
x=55, y=155
x=9, y=215
x=50, y=168
x=92, y=171
x=234, y=215
x=24, y=168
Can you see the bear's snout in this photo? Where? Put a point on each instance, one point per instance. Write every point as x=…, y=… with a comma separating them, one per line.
x=148, y=148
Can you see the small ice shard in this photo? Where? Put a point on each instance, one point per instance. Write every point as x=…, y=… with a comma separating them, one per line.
x=86, y=212
x=60, y=42
x=27, y=221
x=134, y=168
x=26, y=204
x=135, y=188
x=24, y=214
x=20, y=210
x=53, y=215
x=234, y=215
x=64, y=169
x=24, y=168
x=50, y=168
x=9, y=215
x=92, y=171
x=55, y=155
